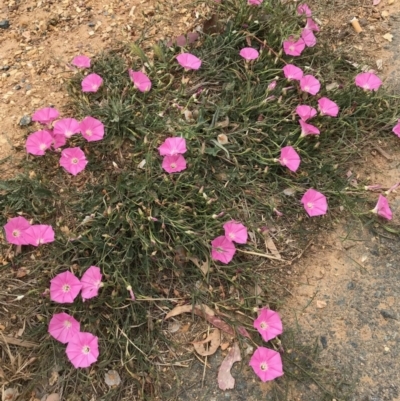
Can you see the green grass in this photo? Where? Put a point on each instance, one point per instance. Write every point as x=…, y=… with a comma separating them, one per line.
x=240, y=179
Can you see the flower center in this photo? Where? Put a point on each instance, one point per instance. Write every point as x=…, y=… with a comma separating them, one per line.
x=85, y=349
x=66, y=288
x=284, y=161
x=68, y=134
x=366, y=86
x=219, y=249
x=291, y=48
x=74, y=160
x=16, y=233
x=173, y=165
x=232, y=235
x=306, y=88
x=95, y=87
x=264, y=366
x=67, y=324
x=42, y=146
x=310, y=205
x=264, y=325
x=88, y=132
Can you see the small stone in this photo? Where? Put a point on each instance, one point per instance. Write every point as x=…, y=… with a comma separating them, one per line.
x=17, y=87
x=24, y=121
x=4, y=24
x=351, y=286
x=91, y=24
x=324, y=341
x=5, y=68
x=387, y=314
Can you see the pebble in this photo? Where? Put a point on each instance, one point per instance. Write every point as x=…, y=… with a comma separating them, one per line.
x=351, y=286
x=4, y=24
x=387, y=314
x=24, y=121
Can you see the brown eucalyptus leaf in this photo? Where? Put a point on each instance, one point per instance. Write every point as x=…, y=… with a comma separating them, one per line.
x=209, y=345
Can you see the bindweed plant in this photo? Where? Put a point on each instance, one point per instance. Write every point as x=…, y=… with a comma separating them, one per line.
x=251, y=129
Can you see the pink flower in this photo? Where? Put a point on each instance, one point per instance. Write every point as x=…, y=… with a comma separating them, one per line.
x=396, y=129
x=248, y=53
x=91, y=282
x=304, y=9
x=38, y=142
x=222, y=249
x=140, y=80
x=15, y=230
x=83, y=350
x=309, y=38
x=382, y=208
x=289, y=158
x=235, y=232
x=268, y=324
x=306, y=112
x=131, y=294
x=311, y=25
x=308, y=129
x=174, y=164
x=73, y=160
x=81, y=61
x=310, y=84
x=272, y=85
x=58, y=140
x=173, y=146
x=67, y=127
x=266, y=363
x=63, y=327
x=64, y=288
x=314, y=203
x=189, y=61
x=92, y=129
x=368, y=81
x=45, y=115
x=327, y=107
x=39, y=234
x=293, y=48
x=292, y=72
x=254, y=2
x=91, y=83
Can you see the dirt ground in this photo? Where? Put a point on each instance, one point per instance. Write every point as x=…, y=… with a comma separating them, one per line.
x=348, y=292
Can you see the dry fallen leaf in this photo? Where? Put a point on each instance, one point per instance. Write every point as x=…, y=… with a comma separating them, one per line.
x=178, y=310
x=53, y=397
x=10, y=394
x=209, y=345
x=224, y=346
x=203, y=266
x=112, y=378
x=225, y=379
x=388, y=36
x=321, y=304
x=53, y=378
x=269, y=244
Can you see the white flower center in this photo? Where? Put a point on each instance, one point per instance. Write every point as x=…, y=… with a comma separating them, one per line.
x=74, y=160
x=16, y=233
x=366, y=86
x=219, y=249
x=42, y=146
x=68, y=134
x=66, y=288
x=88, y=132
x=306, y=88
x=85, y=349
x=284, y=161
x=173, y=165
x=231, y=235
x=67, y=324
x=95, y=87
x=291, y=48
x=310, y=205
x=264, y=366
x=264, y=325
